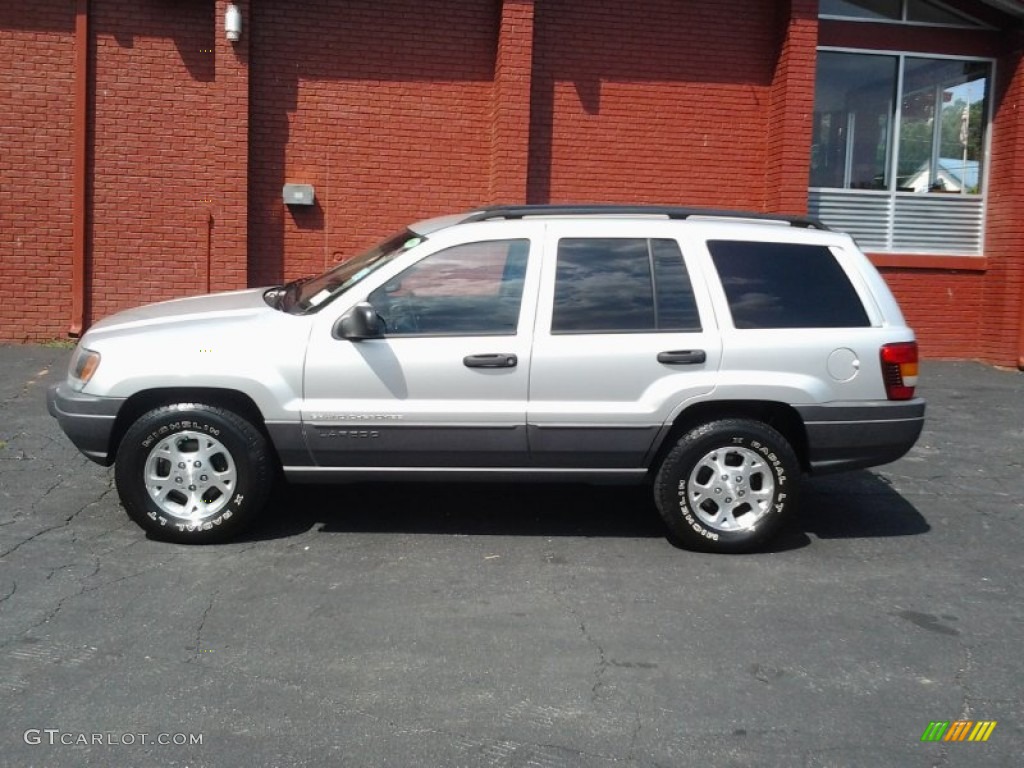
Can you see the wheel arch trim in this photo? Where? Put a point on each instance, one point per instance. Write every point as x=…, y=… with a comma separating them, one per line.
x=146, y=400
x=782, y=417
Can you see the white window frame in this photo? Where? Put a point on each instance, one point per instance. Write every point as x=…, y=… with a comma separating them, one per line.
x=891, y=197
x=970, y=22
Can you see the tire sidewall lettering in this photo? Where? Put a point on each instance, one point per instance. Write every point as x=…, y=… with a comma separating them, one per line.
x=778, y=470
x=178, y=426
x=165, y=522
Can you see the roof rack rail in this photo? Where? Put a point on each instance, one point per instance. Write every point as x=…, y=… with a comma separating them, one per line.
x=671, y=212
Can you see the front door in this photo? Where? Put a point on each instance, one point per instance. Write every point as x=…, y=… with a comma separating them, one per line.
x=446, y=386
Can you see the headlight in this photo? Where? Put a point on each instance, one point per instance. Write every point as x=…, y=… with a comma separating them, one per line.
x=83, y=365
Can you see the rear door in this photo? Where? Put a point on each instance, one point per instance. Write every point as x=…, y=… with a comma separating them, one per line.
x=624, y=337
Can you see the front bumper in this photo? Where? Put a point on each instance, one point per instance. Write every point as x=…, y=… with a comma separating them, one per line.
x=86, y=419
x=842, y=437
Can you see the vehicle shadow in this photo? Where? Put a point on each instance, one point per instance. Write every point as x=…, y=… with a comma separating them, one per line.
x=502, y=509
x=857, y=505
x=851, y=505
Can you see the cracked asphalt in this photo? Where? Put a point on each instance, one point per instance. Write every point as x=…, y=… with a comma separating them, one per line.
x=470, y=625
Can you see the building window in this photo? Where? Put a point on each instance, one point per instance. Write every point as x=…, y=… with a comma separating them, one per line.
x=896, y=12
x=898, y=146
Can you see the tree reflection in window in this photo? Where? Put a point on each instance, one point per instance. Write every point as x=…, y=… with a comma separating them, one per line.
x=940, y=120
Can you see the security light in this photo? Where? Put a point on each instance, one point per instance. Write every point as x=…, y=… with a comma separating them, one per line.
x=233, y=23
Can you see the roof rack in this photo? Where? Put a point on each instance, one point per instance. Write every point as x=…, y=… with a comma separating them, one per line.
x=671, y=212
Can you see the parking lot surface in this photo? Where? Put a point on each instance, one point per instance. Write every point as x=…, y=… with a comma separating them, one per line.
x=517, y=625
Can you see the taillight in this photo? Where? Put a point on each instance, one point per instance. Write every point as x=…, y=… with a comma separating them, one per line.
x=899, y=369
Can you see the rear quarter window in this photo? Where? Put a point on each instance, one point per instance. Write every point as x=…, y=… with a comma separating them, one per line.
x=786, y=285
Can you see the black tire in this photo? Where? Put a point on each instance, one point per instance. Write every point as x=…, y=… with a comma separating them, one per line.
x=743, y=504
x=193, y=473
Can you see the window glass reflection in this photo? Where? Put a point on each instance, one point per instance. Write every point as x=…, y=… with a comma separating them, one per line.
x=942, y=127
x=853, y=113
x=942, y=121
x=882, y=10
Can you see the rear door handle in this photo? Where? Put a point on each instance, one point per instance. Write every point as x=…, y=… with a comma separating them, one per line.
x=683, y=357
x=494, y=360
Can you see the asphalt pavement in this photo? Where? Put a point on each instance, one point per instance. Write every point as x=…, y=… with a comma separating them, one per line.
x=517, y=625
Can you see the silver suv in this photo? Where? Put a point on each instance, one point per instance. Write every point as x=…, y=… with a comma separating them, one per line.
x=714, y=355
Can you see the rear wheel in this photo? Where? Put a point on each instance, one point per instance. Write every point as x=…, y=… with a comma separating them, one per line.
x=727, y=486
x=193, y=473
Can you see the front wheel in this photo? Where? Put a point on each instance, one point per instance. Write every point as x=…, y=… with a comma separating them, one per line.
x=727, y=486
x=193, y=473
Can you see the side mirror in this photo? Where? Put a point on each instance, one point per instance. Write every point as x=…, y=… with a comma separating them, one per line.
x=360, y=322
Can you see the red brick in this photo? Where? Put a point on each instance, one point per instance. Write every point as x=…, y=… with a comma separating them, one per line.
x=400, y=109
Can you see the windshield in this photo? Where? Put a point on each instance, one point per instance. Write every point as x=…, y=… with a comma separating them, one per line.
x=309, y=293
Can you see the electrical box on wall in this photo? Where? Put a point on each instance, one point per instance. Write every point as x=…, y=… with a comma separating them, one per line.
x=298, y=194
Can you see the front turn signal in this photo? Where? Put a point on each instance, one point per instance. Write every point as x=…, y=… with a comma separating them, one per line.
x=83, y=366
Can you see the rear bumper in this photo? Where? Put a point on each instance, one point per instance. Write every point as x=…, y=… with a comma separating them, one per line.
x=86, y=419
x=842, y=437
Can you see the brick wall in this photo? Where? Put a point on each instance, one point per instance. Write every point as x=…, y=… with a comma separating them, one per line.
x=651, y=101
x=159, y=199
x=36, y=98
x=969, y=313
x=401, y=109
x=791, y=106
x=227, y=160
x=510, y=103
x=943, y=308
x=1002, y=315
x=385, y=107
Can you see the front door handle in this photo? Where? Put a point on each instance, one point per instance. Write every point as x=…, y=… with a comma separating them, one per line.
x=683, y=357
x=494, y=360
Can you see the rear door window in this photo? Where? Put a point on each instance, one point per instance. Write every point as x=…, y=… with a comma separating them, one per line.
x=622, y=285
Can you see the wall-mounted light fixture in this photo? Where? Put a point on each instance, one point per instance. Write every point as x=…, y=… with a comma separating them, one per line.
x=298, y=194
x=233, y=23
